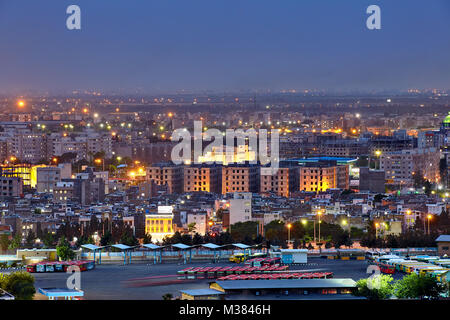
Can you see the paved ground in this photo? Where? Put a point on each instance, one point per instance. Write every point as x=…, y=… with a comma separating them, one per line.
x=147, y=281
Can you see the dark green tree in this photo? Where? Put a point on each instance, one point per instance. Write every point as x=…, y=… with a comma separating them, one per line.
x=29, y=240
x=19, y=284
x=106, y=239
x=147, y=238
x=378, y=287
x=16, y=241
x=240, y=230
x=4, y=242
x=64, y=251
x=414, y=286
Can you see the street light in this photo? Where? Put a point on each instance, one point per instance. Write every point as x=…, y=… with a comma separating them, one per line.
x=378, y=154
x=319, y=214
x=289, y=226
x=102, y=161
x=408, y=218
x=377, y=225
x=429, y=217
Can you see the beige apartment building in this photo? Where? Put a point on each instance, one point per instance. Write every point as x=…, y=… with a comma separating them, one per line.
x=240, y=178
x=202, y=178
x=167, y=175
x=282, y=183
x=400, y=167
x=321, y=177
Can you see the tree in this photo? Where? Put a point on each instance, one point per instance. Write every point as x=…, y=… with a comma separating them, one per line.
x=376, y=287
x=106, y=239
x=49, y=240
x=186, y=239
x=84, y=240
x=276, y=232
x=16, y=241
x=4, y=242
x=167, y=296
x=147, y=238
x=414, y=286
x=19, y=284
x=191, y=227
x=197, y=239
x=29, y=240
x=240, y=230
x=128, y=238
x=64, y=251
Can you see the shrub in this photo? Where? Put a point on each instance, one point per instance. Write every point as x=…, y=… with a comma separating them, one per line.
x=377, y=287
x=20, y=284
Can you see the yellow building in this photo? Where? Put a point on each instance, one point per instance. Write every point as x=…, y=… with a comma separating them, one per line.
x=27, y=172
x=323, y=177
x=159, y=225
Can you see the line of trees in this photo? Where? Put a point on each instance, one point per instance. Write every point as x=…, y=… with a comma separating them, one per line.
x=196, y=238
x=275, y=233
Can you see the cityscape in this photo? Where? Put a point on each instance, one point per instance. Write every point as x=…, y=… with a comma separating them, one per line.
x=257, y=192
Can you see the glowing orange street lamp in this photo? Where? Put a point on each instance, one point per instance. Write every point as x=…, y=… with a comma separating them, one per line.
x=55, y=160
x=408, y=218
x=319, y=214
x=21, y=103
x=98, y=161
x=289, y=226
x=377, y=225
x=429, y=217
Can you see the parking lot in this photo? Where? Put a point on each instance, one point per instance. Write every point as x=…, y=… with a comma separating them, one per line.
x=141, y=281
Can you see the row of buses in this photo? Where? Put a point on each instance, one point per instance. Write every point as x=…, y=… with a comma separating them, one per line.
x=421, y=265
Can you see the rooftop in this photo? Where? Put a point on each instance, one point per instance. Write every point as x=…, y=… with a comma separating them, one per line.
x=286, y=284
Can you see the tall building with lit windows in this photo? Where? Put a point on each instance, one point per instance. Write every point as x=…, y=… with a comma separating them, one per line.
x=165, y=174
x=29, y=147
x=282, y=183
x=202, y=178
x=401, y=167
x=240, y=178
x=322, y=176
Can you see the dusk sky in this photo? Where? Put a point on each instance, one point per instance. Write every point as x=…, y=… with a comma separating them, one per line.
x=223, y=45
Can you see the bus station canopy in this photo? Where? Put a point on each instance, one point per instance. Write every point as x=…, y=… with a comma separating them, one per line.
x=60, y=292
x=211, y=246
x=151, y=246
x=91, y=247
x=241, y=245
x=181, y=246
x=121, y=246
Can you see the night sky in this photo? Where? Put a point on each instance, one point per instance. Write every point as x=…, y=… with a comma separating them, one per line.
x=158, y=46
